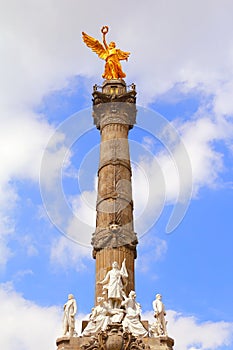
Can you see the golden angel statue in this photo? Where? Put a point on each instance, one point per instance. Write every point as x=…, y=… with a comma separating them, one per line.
x=109, y=53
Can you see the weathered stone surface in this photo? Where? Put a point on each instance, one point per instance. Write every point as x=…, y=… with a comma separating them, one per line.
x=70, y=343
x=162, y=343
x=114, y=240
x=114, y=113
x=114, y=104
x=129, y=343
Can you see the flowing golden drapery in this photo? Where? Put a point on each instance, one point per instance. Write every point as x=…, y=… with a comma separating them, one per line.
x=109, y=53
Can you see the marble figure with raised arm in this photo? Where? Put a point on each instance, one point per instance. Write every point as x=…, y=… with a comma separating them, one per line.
x=114, y=283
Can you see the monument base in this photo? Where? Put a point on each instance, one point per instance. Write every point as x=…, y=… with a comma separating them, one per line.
x=159, y=343
x=71, y=343
x=115, y=340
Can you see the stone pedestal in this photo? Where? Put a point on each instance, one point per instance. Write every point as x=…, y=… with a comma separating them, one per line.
x=160, y=343
x=114, y=338
x=88, y=343
x=70, y=343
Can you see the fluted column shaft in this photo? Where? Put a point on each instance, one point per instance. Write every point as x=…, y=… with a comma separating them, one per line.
x=114, y=238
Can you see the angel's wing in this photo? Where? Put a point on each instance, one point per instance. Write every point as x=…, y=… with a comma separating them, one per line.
x=95, y=45
x=122, y=55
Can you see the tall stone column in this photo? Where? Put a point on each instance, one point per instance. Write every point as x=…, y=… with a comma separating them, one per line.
x=114, y=113
x=114, y=239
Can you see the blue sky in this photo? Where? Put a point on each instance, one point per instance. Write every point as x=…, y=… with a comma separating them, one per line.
x=181, y=63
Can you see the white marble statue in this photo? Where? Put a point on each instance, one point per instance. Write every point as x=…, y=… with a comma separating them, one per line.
x=114, y=284
x=99, y=318
x=155, y=329
x=131, y=322
x=70, y=310
x=159, y=327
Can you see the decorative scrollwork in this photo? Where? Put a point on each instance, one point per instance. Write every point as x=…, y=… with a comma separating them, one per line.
x=114, y=338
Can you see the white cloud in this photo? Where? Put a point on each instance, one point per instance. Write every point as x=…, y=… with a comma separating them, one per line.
x=45, y=323
x=41, y=49
x=5, y=253
x=8, y=197
x=67, y=254
x=223, y=103
x=26, y=325
x=189, y=333
x=23, y=138
x=154, y=249
x=199, y=135
x=21, y=273
x=156, y=180
x=144, y=191
x=69, y=250
x=84, y=206
x=191, y=56
x=49, y=53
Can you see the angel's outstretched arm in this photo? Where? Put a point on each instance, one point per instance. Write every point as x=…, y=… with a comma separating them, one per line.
x=104, y=30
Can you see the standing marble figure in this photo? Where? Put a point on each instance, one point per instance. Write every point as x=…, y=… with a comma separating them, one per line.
x=114, y=284
x=159, y=313
x=70, y=310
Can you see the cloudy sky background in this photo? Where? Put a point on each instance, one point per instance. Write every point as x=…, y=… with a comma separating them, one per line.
x=182, y=64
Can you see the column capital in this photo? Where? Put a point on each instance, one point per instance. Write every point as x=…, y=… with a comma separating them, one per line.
x=114, y=103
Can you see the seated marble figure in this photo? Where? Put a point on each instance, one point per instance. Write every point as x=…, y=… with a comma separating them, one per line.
x=102, y=315
x=131, y=321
